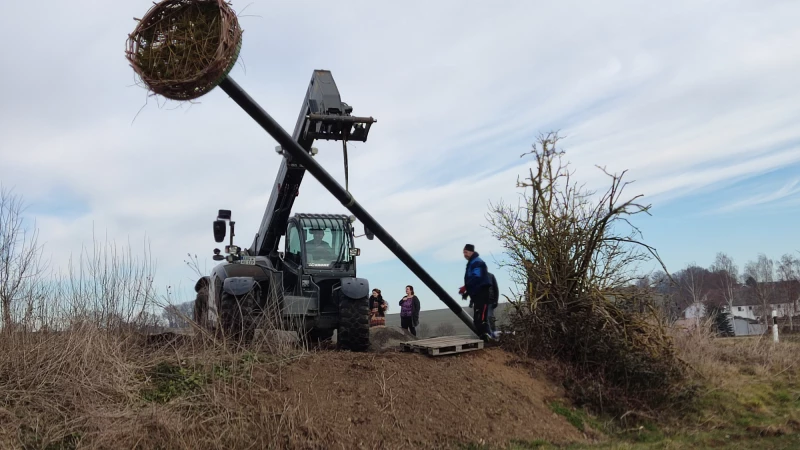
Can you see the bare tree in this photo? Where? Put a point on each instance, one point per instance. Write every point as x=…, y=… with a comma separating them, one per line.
x=761, y=277
x=423, y=330
x=565, y=236
x=665, y=286
x=575, y=249
x=789, y=276
x=20, y=257
x=727, y=279
x=177, y=316
x=693, y=284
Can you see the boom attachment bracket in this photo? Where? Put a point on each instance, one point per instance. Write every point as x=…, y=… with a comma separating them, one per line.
x=336, y=127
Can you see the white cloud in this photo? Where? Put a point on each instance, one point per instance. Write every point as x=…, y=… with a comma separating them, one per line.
x=687, y=96
x=789, y=191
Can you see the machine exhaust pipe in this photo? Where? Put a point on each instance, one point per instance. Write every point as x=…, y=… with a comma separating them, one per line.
x=296, y=151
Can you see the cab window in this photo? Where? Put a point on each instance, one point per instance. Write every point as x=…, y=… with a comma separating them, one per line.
x=293, y=244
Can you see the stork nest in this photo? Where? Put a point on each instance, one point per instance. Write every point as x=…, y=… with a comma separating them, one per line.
x=182, y=49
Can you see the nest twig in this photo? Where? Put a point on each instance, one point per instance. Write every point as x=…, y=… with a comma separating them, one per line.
x=182, y=49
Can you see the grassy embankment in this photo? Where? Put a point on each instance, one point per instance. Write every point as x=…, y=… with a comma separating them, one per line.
x=750, y=400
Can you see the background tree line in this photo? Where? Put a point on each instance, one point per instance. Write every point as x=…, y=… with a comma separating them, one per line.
x=761, y=282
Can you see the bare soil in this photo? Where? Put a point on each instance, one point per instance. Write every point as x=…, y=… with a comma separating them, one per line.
x=408, y=400
x=90, y=389
x=384, y=339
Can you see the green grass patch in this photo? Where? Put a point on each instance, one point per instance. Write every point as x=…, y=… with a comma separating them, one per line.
x=755, y=414
x=513, y=445
x=168, y=381
x=571, y=415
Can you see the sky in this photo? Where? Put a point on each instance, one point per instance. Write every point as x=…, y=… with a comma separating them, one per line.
x=697, y=100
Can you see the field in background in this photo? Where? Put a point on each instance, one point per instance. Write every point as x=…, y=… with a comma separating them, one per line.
x=444, y=322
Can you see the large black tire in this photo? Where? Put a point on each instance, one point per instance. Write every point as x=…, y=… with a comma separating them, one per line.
x=321, y=335
x=201, y=308
x=353, y=332
x=316, y=335
x=312, y=337
x=239, y=315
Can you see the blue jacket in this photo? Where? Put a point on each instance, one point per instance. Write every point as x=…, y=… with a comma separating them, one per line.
x=476, y=275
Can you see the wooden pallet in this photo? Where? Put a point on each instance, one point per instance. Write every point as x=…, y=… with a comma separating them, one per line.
x=445, y=345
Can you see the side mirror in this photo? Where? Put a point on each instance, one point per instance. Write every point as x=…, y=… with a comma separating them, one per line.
x=368, y=233
x=219, y=230
x=224, y=214
x=218, y=257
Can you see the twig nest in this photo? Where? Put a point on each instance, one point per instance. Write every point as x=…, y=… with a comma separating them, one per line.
x=182, y=49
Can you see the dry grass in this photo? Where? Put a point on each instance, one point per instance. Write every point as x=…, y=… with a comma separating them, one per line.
x=749, y=398
x=749, y=385
x=91, y=388
x=719, y=361
x=80, y=368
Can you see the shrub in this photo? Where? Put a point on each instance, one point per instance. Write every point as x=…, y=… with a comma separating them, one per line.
x=566, y=245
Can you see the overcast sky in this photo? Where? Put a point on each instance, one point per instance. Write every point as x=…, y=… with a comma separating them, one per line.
x=699, y=100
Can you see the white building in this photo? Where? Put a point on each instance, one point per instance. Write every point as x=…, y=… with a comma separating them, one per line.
x=696, y=310
x=748, y=305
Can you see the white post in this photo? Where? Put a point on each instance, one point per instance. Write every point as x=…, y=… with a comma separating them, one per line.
x=774, y=326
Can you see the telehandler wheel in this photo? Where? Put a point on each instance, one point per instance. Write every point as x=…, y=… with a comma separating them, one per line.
x=201, y=308
x=239, y=315
x=353, y=332
x=315, y=335
x=322, y=335
x=312, y=337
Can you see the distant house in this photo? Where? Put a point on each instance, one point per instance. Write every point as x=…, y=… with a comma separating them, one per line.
x=691, y=317
x=696, y=310
x=782, y=297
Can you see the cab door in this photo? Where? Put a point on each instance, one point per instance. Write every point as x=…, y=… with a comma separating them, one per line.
x=292, y=261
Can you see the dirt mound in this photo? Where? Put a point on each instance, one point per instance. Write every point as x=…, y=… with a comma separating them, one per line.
x=388, y=338
x=407, y=400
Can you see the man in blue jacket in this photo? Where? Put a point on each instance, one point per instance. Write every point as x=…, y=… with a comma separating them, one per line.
x=477, y=285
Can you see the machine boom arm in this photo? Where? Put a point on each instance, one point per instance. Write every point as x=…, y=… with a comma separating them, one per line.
x=323, y=115
x=345, y=198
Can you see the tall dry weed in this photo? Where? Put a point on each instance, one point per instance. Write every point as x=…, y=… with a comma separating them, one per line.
x=721, y=360
x=92, y=388
x=84, y=366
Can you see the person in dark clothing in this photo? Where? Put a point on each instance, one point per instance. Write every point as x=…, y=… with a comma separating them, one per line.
x=495, y=299
x=409, y=311
x=478, y=286
x=377, y=309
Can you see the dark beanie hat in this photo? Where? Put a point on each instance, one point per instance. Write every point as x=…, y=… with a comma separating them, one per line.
x=469, y=248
